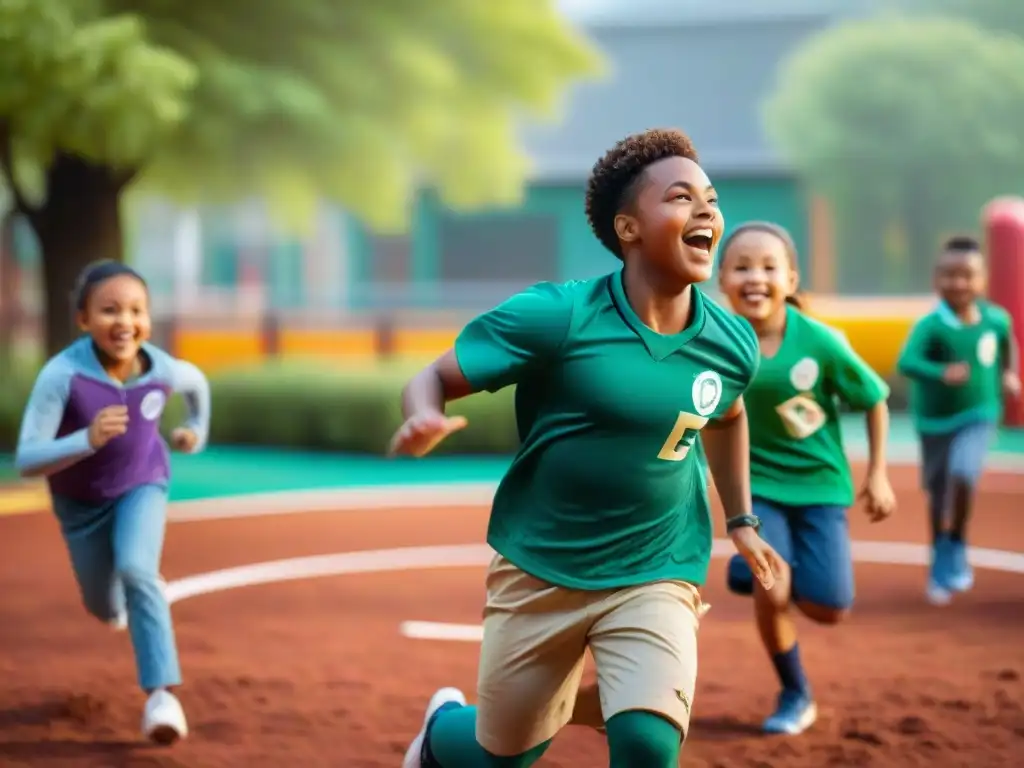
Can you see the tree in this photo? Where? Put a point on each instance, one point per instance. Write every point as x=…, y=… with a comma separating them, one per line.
x=1004, y=16
x=912, y=122
x=357, y=102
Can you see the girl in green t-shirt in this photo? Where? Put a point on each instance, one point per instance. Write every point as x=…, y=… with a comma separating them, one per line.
x=800, y=477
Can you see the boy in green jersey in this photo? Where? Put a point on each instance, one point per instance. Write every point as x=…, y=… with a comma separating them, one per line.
x=800, y=476
x=601, y=524
x=961, y=360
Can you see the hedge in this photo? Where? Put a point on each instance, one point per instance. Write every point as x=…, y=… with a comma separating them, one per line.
x=314, y=407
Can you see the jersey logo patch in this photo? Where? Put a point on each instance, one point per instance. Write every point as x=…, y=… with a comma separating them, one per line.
x=804, y=375
x=152, y=405
x=988, y=348
x=707, y=392
x=802, y=416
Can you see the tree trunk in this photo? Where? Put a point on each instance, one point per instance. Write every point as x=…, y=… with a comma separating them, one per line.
x=10, y=308
x=79, y=223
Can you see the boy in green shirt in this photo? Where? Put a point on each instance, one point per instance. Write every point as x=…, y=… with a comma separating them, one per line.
x=961, y=359
x=601, y=524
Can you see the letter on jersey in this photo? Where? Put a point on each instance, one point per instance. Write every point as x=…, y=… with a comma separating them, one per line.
x=675, y=447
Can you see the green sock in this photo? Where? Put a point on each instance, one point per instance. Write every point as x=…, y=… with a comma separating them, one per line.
x=638, y=738
x=453, y=744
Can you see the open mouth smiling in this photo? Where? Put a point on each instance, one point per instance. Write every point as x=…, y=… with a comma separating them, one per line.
x=701, y=239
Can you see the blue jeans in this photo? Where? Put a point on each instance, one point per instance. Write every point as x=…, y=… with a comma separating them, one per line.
x=115, y=550
x=949, y=458
x=815, y=541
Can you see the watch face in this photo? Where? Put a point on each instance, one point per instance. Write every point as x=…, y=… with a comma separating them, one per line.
x=744, y=521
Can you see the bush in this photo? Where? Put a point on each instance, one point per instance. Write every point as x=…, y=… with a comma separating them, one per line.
x=333, y=410
x=314, y=407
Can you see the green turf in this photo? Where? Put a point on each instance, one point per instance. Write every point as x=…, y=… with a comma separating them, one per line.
x=225, y=471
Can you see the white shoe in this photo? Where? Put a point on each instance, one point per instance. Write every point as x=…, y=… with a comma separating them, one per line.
x=438, y=700
x=936, y=594
x=163, y=719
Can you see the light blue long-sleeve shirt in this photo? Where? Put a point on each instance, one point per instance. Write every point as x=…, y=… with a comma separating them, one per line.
x=73, y=388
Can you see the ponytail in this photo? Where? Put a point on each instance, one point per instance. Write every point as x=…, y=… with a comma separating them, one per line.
x=798, y=301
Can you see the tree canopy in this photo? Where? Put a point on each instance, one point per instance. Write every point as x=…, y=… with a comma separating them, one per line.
x=994, y=15
x=354, y=101
x=913, y=122
x=359, y=102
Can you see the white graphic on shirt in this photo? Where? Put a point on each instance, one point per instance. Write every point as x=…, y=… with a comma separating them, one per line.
x=152, y=405
x=804, y=375
x=707, y=392
x=988, y=348
x=802, y=416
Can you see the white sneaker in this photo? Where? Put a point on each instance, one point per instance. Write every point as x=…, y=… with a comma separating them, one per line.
x=936, y=594
x=438, y=700
x=163, y=719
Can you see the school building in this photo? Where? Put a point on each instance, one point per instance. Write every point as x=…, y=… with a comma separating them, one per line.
x=705, y=66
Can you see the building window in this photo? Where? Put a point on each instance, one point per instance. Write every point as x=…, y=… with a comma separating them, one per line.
x=390, y=258
x=514, y=249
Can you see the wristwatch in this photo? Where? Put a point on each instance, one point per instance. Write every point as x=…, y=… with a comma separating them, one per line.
x=743, y=521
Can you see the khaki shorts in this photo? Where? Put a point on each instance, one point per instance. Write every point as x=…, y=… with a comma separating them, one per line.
x=643, y=640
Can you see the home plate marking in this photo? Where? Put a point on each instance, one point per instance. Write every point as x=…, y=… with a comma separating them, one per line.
x=432, y=630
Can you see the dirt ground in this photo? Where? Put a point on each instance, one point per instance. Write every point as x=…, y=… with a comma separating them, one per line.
x=315, y=673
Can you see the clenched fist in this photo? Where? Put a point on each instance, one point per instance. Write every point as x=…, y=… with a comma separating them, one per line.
x=184, y=440
x=109, y=423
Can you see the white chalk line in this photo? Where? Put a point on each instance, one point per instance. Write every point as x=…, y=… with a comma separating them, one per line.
x=477, y=555
x=351, y=499
x=433, y=630
x=447, y=495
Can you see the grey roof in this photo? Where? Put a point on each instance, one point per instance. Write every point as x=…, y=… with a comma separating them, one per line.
x=704, y=66
x=646, y=13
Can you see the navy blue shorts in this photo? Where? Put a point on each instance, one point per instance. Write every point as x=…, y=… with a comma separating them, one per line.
x=815, y=541
x=958, y=455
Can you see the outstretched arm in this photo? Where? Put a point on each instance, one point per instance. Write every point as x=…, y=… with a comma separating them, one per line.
x=1010, y=353
x=188, y=380
x=40, y=452
x=423, y=404
x=857, y=385
x=439, y=383
x=494, y=351
x=877, y=490
x=913, y=361
x=727, y=447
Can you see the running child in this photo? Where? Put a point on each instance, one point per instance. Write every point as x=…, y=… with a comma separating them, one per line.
x=91, y=427
x=800, y=477
x=601, y=525
x=961, y=359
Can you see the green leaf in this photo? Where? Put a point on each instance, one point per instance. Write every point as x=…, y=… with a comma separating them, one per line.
x=360, y=102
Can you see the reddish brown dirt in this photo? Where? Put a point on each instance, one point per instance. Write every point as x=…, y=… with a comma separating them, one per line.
x=314, y=673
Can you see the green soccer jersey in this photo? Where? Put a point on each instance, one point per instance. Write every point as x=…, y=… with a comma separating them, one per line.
x=605, y=491
x=796, y=446
x=941, y=338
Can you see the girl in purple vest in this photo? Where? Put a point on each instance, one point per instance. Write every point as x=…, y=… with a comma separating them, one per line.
x=91, y=427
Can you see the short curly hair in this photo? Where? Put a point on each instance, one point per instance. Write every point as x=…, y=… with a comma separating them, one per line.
x=961, y=243
x=613, y=181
